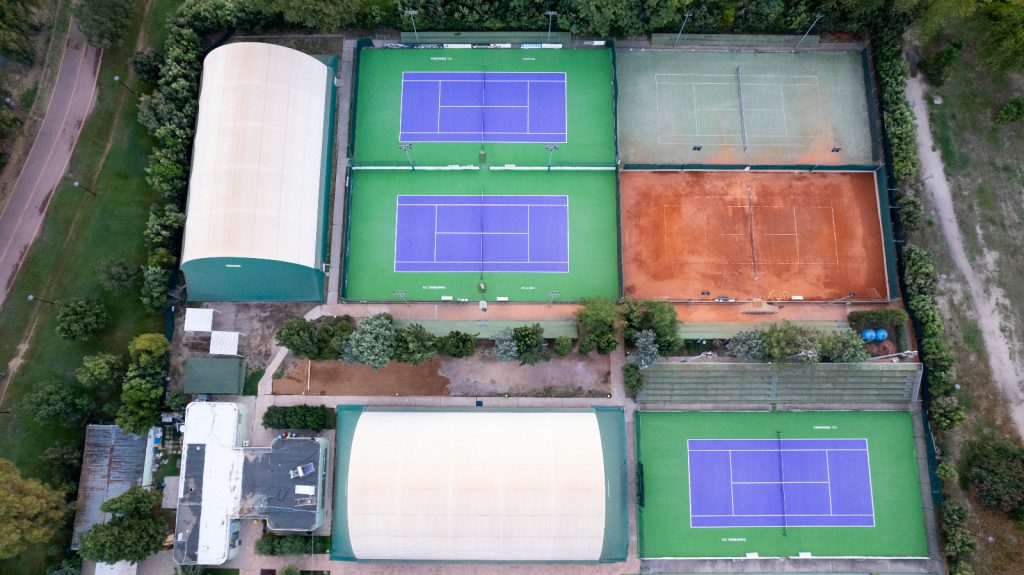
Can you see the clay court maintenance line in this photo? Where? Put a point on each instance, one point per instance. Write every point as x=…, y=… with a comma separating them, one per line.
x=753, y=242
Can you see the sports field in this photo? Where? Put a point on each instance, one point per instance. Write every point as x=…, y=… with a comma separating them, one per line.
x=496, y=107
x=779, y=484
x=430, y=235
x=716, y=108
x=745, y=235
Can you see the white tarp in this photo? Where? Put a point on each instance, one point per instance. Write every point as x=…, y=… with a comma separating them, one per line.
x=224, y=343
x=476, y=486
x=197, y=319
x=255, y=185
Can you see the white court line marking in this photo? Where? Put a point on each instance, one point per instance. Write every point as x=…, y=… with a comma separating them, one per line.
x=435, y=232
x=835, y=236
x=782, y=102
x=438, y=108
x=828, y=475
x=789, y=515
x=483, y=106
x=482, y=233
x=696, y=116
x=779, y=482
x=797, y=234
x=732, y=489
x=528, y=233
x=528, y=84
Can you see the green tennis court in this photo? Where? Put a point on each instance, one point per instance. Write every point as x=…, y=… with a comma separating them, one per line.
x=779, y=484
x=438, y=235
x=486, y=107
x=742, y=107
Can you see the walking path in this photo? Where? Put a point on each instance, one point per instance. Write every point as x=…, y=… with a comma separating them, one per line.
x=985, y=300
x=44, y=167
x=341, y=170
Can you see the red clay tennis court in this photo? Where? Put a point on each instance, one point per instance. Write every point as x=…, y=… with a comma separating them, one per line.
x=777, y=236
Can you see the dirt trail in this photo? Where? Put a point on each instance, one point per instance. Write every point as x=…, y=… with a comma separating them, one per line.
x=986, y=297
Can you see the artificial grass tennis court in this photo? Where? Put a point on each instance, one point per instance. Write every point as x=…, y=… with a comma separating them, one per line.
x=665, y=519
x=589, y=137
x=378, y=236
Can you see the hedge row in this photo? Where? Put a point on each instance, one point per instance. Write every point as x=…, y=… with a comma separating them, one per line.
x=271, y=544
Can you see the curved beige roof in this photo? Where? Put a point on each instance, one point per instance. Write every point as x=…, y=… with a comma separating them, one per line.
x=476, y=486
x=256, y=169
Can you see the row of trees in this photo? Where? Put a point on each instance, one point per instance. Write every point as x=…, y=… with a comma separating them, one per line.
x=786, y=342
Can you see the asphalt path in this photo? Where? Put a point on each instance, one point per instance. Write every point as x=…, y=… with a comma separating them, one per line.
x=44, y=167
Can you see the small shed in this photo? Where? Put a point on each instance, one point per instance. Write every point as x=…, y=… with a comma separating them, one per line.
x=214, y=375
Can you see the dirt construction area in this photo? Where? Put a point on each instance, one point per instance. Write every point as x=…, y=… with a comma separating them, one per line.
x=777, y=236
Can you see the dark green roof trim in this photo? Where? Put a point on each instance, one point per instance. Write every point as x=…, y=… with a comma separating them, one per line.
x=611, y=422
x=214, y=375
x=251, y=279
x=341, y=543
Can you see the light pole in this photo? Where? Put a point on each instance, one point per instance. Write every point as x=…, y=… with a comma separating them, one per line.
x=118, y=80
x=550, y=14
x=37, y=298
x=412, y=16
x=817, y=17
x=78, y=185
x=551, y=150
x=553, y=294
x=686, y=18
x=408, y=154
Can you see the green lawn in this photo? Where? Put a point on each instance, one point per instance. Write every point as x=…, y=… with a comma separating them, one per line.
x=665, y=519
x=78, y=231
x=589, y=121
x=593, y=252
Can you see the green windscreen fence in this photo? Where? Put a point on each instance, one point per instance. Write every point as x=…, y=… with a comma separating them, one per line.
x=733, y=40
x=440, y=37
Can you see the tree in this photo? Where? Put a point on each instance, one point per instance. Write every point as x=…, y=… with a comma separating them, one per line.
x=69, y=566
x=529, y=341
x=56, y=403
x=165, y=221
x=996, y=472
x=748, y=345
x=176, y=401
x=62, y=462
x=414, y=344
x=843, y=346
x=918, y=270
x=785, y=342
x=324, y=15
x=79, y=319
x=645, y=351
x=314, y=417
x=505, y=348
x=117, y=275
x=30, y=513
x=596, y=321
x=104, y=22
x=140, y=406
x=133, y=533
x=301, y=337
x=658, y=316
x=960, y=544
x=563, y=345
x=153, y=292
x=102, y=372
x=632, y=379
x=373, y=341
x=911, y=211
x=148, y=349
x=147, y=66
x=457, y=344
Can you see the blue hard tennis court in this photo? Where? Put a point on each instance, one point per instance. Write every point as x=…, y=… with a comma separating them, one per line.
x=483, y=107
x=482, y=233
x=780, y=483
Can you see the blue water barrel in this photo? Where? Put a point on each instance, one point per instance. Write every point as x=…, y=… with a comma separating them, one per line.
x=868, y=335
x=881, y=334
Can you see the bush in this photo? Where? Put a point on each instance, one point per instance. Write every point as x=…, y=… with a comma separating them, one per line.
x=911, y=211
x=748, y=345
x=529, y=341
x=321, y=338
x=947, y=413
x=313, y=417
x=78, y=318
x=946, y=471
x=919, y=270
x=843, y=346
x=938, y=67
x=140, y=405
x=147, y=66
x=563, y=345
x=117, y=275
x=596, y=321
x=54, y=402
x=148, y=349
x=937, y=356
x=62, y=462
x=373, y=341
x=657, y=316
x=1010, y=111
x=941, y=382
x=926, y=309
x=414, y=344
x=163, y=225
x=289, y=570
x=176, y=401
x=505, y=348
x=645, y=352
x=888, y=318
x=457, y=344
x=631, y=379
x=960, y=544
x=102, y=372
x=996, y=473
x=786, y=342
x=271, y=544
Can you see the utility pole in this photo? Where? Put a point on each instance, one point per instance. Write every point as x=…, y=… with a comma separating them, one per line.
x=817, y=17
x=412, y=16
x=686, y=18
x=550, y=14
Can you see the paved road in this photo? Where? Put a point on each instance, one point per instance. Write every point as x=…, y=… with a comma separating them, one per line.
x=43, y=169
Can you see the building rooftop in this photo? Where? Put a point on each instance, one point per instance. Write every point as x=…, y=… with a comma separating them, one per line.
x=285, y=483
x=111, y=462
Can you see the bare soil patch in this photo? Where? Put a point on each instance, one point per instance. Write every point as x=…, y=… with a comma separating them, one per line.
x=306, y=377
x=569, y=376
